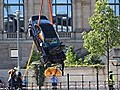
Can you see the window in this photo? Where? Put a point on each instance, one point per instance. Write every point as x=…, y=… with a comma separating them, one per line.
x=14, y=53
x=62, y=1
x=115, y=5
x=62, y=15
x=10, y=23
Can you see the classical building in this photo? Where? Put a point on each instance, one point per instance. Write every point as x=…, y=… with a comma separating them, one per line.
x=70, y=18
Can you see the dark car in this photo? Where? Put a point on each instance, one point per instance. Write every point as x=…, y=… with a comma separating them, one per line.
x=46, y=40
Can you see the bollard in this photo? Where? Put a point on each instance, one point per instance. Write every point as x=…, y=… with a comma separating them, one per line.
x=46, y=85
x=89, y=85
x=68, y=81
x=27, y=80
x=97, y=80
x=60, y=85
x=82, y=81
x=32, y=86
x=119, y=84
x=75, y=85
x=105, y=84
x=3, y=85
x=39, y=81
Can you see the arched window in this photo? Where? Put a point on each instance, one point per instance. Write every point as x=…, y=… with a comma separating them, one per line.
x=62, y=15
x=10, y=7
x=115, y=5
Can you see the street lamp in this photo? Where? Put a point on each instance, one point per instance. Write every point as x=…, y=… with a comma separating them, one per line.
x=17, y=14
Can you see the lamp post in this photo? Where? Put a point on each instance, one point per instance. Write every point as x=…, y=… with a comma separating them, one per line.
x=17, y=14
x=107, y=57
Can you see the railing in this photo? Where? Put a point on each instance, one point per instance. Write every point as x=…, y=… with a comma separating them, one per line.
x=77, y=85
x=8, y=35
x=68, y=84
x=74, y=85
x=64, y=34
x=84, y=82
x=14, y=35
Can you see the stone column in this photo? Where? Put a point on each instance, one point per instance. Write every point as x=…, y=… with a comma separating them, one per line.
x=77, y=20
x=37, y=7
x=26, y=17
x=82, y=10
x=28, y=10
x=1, y=14
x=86, y=13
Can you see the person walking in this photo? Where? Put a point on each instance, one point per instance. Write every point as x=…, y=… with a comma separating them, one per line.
x=11, y=79
x=19, y=80
x=54, y=81
x=111, y=82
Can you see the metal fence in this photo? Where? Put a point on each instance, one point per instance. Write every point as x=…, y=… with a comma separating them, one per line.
x=69, y=82
x=85, y=82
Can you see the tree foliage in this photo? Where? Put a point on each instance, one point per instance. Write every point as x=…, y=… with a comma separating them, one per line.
x=92, y=60
x=39, y=69
x=105, y=31
x=73, y=60
x=35, y=56
x=70, y=56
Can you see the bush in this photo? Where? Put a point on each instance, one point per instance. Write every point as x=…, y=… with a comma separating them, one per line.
x=39, y=69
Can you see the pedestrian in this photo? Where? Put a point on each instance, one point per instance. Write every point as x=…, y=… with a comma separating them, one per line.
x=0, y=83
x=111, y=82
x=11, y=79
x=24, y=83
x=18, y=79
x=54, y=81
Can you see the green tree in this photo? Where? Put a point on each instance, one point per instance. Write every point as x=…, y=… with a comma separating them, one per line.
x=92, y=60
x=39, y=69
x=105, y=33
x=35, y=56
x=70, y=56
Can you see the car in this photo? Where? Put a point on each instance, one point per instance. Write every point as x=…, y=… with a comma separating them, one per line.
x=47, y=41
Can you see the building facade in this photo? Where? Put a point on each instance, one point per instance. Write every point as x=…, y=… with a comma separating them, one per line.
x=70, y=18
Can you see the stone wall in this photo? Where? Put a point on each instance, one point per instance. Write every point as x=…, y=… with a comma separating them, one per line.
x=82, y=10
x=5, y=53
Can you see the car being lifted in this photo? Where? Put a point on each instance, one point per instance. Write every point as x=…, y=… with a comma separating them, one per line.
x=47, y=41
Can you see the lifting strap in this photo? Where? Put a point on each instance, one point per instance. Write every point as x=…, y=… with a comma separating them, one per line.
x=51, y=19
x=50, y=11
x=40, y=12
x=28, y=63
